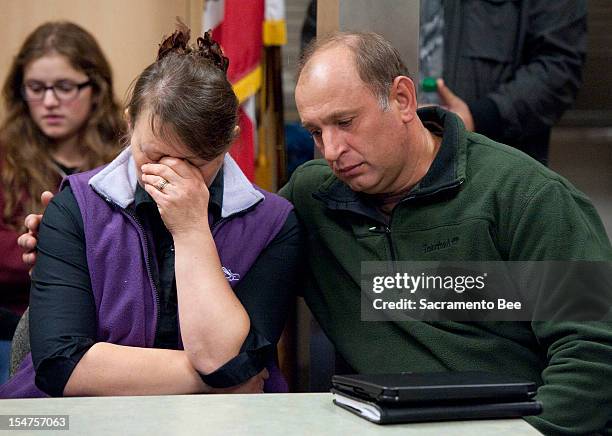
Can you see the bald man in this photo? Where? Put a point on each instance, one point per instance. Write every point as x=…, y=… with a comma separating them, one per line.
x=397, y=184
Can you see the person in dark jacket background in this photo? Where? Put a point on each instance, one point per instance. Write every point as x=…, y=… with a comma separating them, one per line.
x=509, y=69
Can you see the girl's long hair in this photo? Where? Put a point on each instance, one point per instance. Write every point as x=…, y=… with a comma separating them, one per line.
x=25, y=151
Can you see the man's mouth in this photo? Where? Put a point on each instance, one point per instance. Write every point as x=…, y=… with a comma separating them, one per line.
x=349, y=170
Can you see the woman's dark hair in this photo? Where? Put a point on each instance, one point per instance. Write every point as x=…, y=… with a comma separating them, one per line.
x=186, y=94
x=27, y=167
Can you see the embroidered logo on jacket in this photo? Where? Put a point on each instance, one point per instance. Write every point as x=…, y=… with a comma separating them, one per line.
x=229, y=275
x=440, y=245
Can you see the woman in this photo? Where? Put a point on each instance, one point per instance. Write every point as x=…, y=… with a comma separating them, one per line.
x=172, y=227
x=61, y=117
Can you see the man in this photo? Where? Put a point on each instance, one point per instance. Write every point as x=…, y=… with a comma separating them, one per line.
x=395, y=182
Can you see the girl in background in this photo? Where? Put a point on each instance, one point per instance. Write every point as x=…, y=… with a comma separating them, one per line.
x=60, y=117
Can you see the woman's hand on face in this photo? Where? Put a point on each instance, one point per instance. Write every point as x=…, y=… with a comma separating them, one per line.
x=183, y=198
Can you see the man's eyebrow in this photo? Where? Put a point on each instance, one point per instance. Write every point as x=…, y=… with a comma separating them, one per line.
x=331, y=117
x=340, y=114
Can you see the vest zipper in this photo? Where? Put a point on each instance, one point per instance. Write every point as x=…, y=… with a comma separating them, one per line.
x=147, y=256
x=149, y=273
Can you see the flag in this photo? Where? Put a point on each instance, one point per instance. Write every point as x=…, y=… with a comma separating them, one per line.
x=243, y=29
x=271, y=162
x=237, y=26
x=275, y=27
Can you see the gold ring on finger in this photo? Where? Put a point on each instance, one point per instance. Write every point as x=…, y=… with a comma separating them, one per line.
x=162, y=184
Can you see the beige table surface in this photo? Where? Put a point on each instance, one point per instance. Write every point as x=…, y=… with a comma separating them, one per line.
x=269, y=414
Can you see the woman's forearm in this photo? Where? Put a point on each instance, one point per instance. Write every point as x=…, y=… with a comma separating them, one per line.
x=213, y=322
x=110, y=369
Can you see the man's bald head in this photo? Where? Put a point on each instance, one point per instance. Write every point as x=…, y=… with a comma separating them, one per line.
x=377, y=62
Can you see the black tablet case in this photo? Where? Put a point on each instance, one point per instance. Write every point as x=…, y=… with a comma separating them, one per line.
x=430, y=386
x=418, y=397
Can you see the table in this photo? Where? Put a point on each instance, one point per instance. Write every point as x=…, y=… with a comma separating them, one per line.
x=269, y=414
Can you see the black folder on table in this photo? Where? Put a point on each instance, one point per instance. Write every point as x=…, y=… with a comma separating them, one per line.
x=414, y=397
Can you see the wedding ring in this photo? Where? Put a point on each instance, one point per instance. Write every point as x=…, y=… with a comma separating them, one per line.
x=162, y=184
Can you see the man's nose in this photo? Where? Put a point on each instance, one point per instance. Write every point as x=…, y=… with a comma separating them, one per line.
x=333, y=144
x=49, y=98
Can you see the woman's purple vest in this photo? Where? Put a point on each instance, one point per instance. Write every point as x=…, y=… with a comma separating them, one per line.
x=117, y=257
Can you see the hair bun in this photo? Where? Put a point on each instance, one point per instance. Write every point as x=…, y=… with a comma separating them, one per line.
x=210, y=49
x=177, y=42
x=206, y=47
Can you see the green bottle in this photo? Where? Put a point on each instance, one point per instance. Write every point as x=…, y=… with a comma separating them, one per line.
x=429, y=91
x=429, y=84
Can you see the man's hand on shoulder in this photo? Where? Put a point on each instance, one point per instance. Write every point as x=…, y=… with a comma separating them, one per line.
x=29, y=240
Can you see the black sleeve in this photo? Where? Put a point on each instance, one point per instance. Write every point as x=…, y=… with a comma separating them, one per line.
x=62, y=308
x=266, y=293
x=487, y=120
x=547, y=81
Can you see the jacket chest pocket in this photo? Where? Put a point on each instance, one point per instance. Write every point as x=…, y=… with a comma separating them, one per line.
x=490, y=29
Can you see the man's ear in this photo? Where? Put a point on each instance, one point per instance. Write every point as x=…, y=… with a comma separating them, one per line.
x=403, y=95
x=236, y=131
